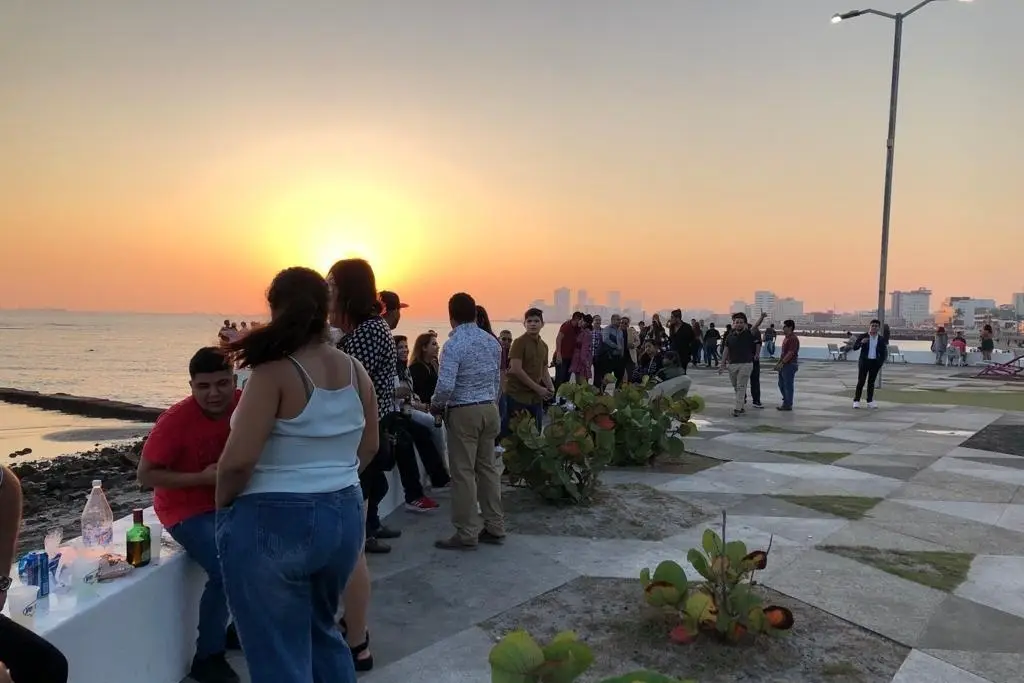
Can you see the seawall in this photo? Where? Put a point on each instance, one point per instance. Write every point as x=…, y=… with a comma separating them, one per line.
x=81, y=405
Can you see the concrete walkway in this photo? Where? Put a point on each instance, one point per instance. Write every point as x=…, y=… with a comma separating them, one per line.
x=935, y=494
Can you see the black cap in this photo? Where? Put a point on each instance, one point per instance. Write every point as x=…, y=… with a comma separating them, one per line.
x=391, y=301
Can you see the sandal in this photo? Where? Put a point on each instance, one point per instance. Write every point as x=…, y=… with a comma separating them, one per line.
x=362, y=664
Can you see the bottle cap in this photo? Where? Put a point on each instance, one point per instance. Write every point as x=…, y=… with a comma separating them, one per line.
x=97, y=482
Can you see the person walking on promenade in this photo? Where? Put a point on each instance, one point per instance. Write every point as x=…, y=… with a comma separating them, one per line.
x=583, y=358
x=738, y=358
x=788, y=364
x=468, y=386
x=26, y=656
x=290, y=520
x=874, y=350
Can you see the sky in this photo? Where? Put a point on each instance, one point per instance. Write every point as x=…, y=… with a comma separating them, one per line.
x=173, y=156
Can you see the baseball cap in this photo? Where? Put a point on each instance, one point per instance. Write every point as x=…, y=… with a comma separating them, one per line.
x=391, y=301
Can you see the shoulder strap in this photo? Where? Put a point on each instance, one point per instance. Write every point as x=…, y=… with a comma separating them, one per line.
x=307, y=381
x=355, y=377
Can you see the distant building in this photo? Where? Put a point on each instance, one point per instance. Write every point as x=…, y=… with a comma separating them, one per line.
x=788, y=308
x=738, y=307
x=581, y=300
x=962, y=312
x=766, y=301
x=1018, y=304
x=614, y=300
x=911, y=308
x=563, y=297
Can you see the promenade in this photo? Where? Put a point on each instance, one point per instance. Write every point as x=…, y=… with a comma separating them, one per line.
x=898, y=543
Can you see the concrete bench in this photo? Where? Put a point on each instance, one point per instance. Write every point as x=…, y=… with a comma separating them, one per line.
x=141, y=627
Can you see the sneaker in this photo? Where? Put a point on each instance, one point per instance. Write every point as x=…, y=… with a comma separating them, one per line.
x=423, y=504
x=856, y=404
x=759, y=406
x=785, y=409
x=387, y=532
x=872, y=405
x=737, y=413
x=213, y=669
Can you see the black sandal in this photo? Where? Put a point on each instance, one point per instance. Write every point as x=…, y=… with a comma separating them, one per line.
x=361, y=664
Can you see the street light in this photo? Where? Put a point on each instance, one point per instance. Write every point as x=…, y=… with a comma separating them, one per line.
x=890, y=141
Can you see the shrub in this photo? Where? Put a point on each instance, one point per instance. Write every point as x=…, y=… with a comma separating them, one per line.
x=563, y=463
x=646, y=428
x=725, y=603
x=517, y=658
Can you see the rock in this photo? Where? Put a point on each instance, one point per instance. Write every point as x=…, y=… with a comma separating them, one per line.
x=25, y=470
x=81, y=405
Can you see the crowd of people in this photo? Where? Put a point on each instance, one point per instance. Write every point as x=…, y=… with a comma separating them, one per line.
x=275, y=491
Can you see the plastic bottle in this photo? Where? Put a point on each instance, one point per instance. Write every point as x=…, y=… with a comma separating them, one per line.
x=97, y=519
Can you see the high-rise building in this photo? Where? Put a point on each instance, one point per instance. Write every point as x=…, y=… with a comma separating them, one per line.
x=765, y=301
x=911, y=308
x=738, y=307
x=788, y=308
x=581, y=299
x=614, y=300
x=964, y=311
x=1018, y=303
x=563, y=297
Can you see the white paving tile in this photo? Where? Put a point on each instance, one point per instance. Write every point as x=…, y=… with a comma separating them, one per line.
x=810, y=471
x=799, y=530
x=462, y=658
x=996, y=581
x=605, y=558
x=986, y=513
x=855, y=435
x=919, y=667
x=979, y=470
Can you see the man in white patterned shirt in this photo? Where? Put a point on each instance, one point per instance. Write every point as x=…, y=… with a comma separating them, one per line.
x=468, y=386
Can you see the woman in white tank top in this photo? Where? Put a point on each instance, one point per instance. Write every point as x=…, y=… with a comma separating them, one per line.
x=290, y=521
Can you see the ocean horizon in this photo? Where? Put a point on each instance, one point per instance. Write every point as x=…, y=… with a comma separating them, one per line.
x=143, y=358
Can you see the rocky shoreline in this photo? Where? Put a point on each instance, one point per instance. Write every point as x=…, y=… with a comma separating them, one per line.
x=55, y=490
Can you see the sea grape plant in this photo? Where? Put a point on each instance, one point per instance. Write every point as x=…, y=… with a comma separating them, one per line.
x=563, y=463
x=518, y=658
x=648, y=427
x=725, y=603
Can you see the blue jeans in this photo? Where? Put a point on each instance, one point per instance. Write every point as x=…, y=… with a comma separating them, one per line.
x=286, y=559
x=787, y=383
x=514, y=407
x=198, y=536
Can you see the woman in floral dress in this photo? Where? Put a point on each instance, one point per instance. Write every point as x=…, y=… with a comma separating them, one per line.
x=583, y=360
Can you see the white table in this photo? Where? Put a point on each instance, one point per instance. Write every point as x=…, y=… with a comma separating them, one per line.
x=141, y=627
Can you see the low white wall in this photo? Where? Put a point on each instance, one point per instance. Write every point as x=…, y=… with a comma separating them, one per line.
x=913, y=357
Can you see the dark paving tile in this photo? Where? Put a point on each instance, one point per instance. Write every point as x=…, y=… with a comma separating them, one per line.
x=893, y=472
x=1001, y=462
x=960, y=624
x=449, y=591
x=766, y=506
x=1000, y=437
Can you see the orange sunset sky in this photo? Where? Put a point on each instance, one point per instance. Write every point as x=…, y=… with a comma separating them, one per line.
x=172, y=156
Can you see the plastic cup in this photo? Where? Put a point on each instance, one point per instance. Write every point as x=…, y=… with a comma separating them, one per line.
x=156, y=537
x=22, y=602
x=83, y=575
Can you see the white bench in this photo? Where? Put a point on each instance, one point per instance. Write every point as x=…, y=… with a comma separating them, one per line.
x=896, y=354
x=835, y=352
x=141, y=627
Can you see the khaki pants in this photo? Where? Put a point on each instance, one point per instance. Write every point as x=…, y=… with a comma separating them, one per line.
x=476, y=473
x=739, y=375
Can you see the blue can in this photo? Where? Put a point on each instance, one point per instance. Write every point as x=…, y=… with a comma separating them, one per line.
x=34, y=570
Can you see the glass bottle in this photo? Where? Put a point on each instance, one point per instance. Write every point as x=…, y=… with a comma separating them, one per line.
x=138, y=541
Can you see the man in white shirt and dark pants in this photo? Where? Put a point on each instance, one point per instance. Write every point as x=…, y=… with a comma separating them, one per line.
x=874, y=350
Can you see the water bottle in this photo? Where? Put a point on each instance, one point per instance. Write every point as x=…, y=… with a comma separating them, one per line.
x=97, y=519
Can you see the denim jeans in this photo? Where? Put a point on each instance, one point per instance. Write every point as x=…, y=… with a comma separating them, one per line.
x=711, y=353
x=198, y=536
x=286, y=558
x=514, y=407
x=787, y=383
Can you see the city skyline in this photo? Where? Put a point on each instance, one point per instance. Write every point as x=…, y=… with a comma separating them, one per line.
x=174, y=156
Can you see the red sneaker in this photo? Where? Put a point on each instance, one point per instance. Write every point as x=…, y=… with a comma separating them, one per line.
x=423, y=504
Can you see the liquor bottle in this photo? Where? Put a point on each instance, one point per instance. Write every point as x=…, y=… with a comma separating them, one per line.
x=138, y=541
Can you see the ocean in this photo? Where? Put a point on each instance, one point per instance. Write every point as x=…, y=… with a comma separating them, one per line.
x=143, y=358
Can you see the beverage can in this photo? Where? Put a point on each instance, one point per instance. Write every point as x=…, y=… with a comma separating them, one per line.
x=34, y=570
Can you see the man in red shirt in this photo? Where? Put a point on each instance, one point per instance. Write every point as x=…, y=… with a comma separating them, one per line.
x=179, y=461
x=565, y=347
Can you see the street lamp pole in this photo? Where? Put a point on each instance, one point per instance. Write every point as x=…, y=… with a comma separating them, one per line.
x=890, y=142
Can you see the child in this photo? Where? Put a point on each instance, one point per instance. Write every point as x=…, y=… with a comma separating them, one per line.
x=528, y=383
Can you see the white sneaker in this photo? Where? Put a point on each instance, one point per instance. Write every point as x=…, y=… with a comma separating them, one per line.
x=856, y=404
x=872, y=405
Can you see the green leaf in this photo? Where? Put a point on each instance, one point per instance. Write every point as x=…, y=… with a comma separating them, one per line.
x=645, y=577
x=735, y=551
x=514, y=658
x=673, y=573
x=711, y=542
x=700, y=563
x=566, y=658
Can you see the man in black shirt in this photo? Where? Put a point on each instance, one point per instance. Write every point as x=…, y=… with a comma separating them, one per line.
x=681, y=338
x=741, y=346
